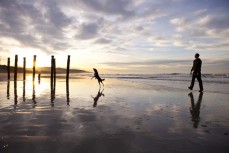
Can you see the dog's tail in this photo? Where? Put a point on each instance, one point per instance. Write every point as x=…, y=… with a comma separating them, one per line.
x=103, y=79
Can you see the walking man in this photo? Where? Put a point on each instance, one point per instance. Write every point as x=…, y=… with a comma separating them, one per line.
x=196, y=73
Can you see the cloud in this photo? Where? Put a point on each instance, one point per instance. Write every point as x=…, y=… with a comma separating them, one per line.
x=152, y=62
x=217, y=22
x=88, y=31
x=160, y=41
x=170, y=66
x=205, y=20
x=179, y=21
x=34, y=24
x=121, y=8
x=121, y=27
x=103, y=41
x=47, y=24
x=217, y=62
x=203, y=46
x=220, y=46
x=200, y=12
x=182, y=24
x=206, y=26
x=218, y=33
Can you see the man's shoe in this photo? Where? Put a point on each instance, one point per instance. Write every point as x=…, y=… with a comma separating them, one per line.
x=190, y=88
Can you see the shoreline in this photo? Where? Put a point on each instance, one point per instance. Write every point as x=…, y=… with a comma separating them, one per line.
x=211, y=85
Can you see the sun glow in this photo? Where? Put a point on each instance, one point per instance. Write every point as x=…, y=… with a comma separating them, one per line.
x=35, y=86
x=42, y=59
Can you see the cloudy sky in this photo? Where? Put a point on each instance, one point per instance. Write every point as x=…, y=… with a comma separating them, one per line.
x=117, y=36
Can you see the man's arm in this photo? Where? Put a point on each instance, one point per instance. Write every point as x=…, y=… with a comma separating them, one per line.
x=192, y=67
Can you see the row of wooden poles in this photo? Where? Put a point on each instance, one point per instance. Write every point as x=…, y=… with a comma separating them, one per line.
x=53, y=79
x=53, y=68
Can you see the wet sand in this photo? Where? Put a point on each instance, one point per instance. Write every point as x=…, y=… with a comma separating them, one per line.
x=127, y=116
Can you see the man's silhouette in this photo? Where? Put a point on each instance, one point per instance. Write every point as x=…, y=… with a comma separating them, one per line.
x=196, y=72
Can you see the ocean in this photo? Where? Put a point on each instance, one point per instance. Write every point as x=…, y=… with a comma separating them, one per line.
x=218, y=83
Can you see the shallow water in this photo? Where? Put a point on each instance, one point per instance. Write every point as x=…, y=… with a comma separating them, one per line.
x=126, y=116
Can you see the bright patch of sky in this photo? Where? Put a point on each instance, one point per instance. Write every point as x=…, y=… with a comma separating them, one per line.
x=118, y=36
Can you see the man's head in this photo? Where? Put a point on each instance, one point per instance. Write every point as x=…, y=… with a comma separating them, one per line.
x=197, y=55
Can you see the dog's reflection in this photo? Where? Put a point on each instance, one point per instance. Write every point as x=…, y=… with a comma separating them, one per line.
x=195, y=109
x=96, y=98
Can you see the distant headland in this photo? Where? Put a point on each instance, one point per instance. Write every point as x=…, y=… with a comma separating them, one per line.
x=43, y=70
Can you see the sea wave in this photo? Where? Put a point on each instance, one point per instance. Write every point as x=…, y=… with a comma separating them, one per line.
x=210, y=78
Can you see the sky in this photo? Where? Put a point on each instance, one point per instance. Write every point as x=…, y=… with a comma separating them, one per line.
x=117, y=36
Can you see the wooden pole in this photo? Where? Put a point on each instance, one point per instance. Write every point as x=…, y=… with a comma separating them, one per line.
x=24, y=68
x=52, y=58
x=34, y=66
x=68, y=65
x=15, y=67
x=67, y=80
x=24, y=77
x=54, y=74
x=52, y=81
x=8, y=68
x=54, y=68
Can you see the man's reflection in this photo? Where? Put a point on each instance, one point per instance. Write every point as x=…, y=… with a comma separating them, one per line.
x=195, y=109
x=99, y=94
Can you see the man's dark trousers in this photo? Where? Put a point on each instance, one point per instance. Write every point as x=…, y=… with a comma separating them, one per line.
x=198, y=76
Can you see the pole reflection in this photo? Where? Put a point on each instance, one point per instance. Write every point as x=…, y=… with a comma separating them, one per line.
x=23, y=95
x=53, y=91
x=36, y=91
x=34, y=95
x=67, y=93
x=15, y=94
x=8, y=90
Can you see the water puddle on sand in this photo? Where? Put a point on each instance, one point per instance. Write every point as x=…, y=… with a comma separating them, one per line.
x=124, y=116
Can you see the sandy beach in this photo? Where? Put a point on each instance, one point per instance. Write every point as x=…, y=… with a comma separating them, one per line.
x=126, y=116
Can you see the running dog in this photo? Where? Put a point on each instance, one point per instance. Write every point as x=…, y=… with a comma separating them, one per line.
x=96, y=76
